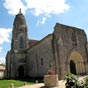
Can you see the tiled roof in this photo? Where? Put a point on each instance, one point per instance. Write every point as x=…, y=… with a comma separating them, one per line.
x=32, y=42
x=2, y=68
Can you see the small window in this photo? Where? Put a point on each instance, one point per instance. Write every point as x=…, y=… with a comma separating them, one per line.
x=21, y=43
x=32, y=64
x=73, y=38
x=21, y=30
x=41, y=61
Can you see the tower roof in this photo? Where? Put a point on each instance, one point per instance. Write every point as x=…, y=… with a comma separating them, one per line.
x=20, y=19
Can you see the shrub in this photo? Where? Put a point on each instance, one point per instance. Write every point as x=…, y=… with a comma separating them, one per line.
x=50, y=72
x=85, y=84
x=72, y=81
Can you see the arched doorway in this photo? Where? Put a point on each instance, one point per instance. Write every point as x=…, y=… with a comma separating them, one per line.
x=76, y=63
x=72, y=67
x=21, y=72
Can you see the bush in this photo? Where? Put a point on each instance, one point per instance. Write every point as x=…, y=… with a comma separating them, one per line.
x=85, y=84
x=50, y=72
x=72, y=81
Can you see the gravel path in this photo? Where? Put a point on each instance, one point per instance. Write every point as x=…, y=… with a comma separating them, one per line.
x=33, y=86
x=41, y=85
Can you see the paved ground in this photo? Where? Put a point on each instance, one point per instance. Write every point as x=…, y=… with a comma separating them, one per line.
x=33, y=86
x=41, y=85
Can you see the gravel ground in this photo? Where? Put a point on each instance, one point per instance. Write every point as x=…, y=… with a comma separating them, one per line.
x=41, y=85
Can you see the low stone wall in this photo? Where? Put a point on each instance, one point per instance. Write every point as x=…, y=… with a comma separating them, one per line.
x=2, y=74
x=51, y=80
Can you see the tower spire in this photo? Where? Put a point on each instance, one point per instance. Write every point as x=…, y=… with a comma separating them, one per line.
x=20, y=11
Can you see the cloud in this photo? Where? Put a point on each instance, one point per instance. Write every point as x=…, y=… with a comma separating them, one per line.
x=13, y=6
x=2, y=60
x=0, y=49
x=4, y=35
x=37, y=7
x=47, y=6
x=43, y=20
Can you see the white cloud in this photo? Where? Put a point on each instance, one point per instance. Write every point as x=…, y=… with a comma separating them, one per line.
x=13, y=6
x=0, y=49
x=47, y=6
x=4, y=35
x=2, y=60
x=37, y=7
x=43, y=20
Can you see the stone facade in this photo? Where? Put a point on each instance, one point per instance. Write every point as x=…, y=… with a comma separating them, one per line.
x=70, y=48
x=65, y=50
x=40, y=58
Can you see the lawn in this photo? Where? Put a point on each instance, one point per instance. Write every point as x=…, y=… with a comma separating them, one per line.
x=7, y=83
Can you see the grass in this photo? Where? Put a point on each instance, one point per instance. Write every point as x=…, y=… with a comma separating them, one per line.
x=6, y=83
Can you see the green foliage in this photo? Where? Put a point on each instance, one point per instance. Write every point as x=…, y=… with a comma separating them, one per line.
x=85, y=84
x=2, y=65
x=73, y=82
x=71, y=77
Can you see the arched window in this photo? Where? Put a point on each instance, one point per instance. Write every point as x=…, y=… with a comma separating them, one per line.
x=72, y=67
x=21, y=43
x=41, y=61
x=21, y=72
x=73, y=38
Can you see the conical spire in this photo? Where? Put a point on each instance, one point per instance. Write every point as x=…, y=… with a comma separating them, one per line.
x=20, y=19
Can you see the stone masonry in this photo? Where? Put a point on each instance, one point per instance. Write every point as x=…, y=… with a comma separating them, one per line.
x=65, y=50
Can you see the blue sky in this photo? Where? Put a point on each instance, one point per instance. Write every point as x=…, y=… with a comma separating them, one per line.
x=41, y=17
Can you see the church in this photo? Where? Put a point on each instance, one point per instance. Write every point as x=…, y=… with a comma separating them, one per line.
x=63, y=51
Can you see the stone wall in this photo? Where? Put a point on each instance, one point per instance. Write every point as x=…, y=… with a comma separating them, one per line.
x=19, y=60
x=2, y=74
x=14, y=61
x=54, y=52
x=69, y=39
x=51, y=81
x=8, y=65
x=40, y=58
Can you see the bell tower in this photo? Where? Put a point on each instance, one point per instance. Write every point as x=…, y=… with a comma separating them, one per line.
x=20, y=41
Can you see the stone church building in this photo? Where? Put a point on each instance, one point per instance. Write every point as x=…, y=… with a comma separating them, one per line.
x=65, y=50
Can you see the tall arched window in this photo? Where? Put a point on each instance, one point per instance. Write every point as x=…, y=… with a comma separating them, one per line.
x=21, y=43
x=41, y=61
x=73, y=38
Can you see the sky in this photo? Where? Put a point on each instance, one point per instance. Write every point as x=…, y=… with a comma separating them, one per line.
x=41, y=17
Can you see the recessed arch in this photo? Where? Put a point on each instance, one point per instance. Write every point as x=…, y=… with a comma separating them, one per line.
x=76, y=63
x=21, y=72
x=72, y=67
